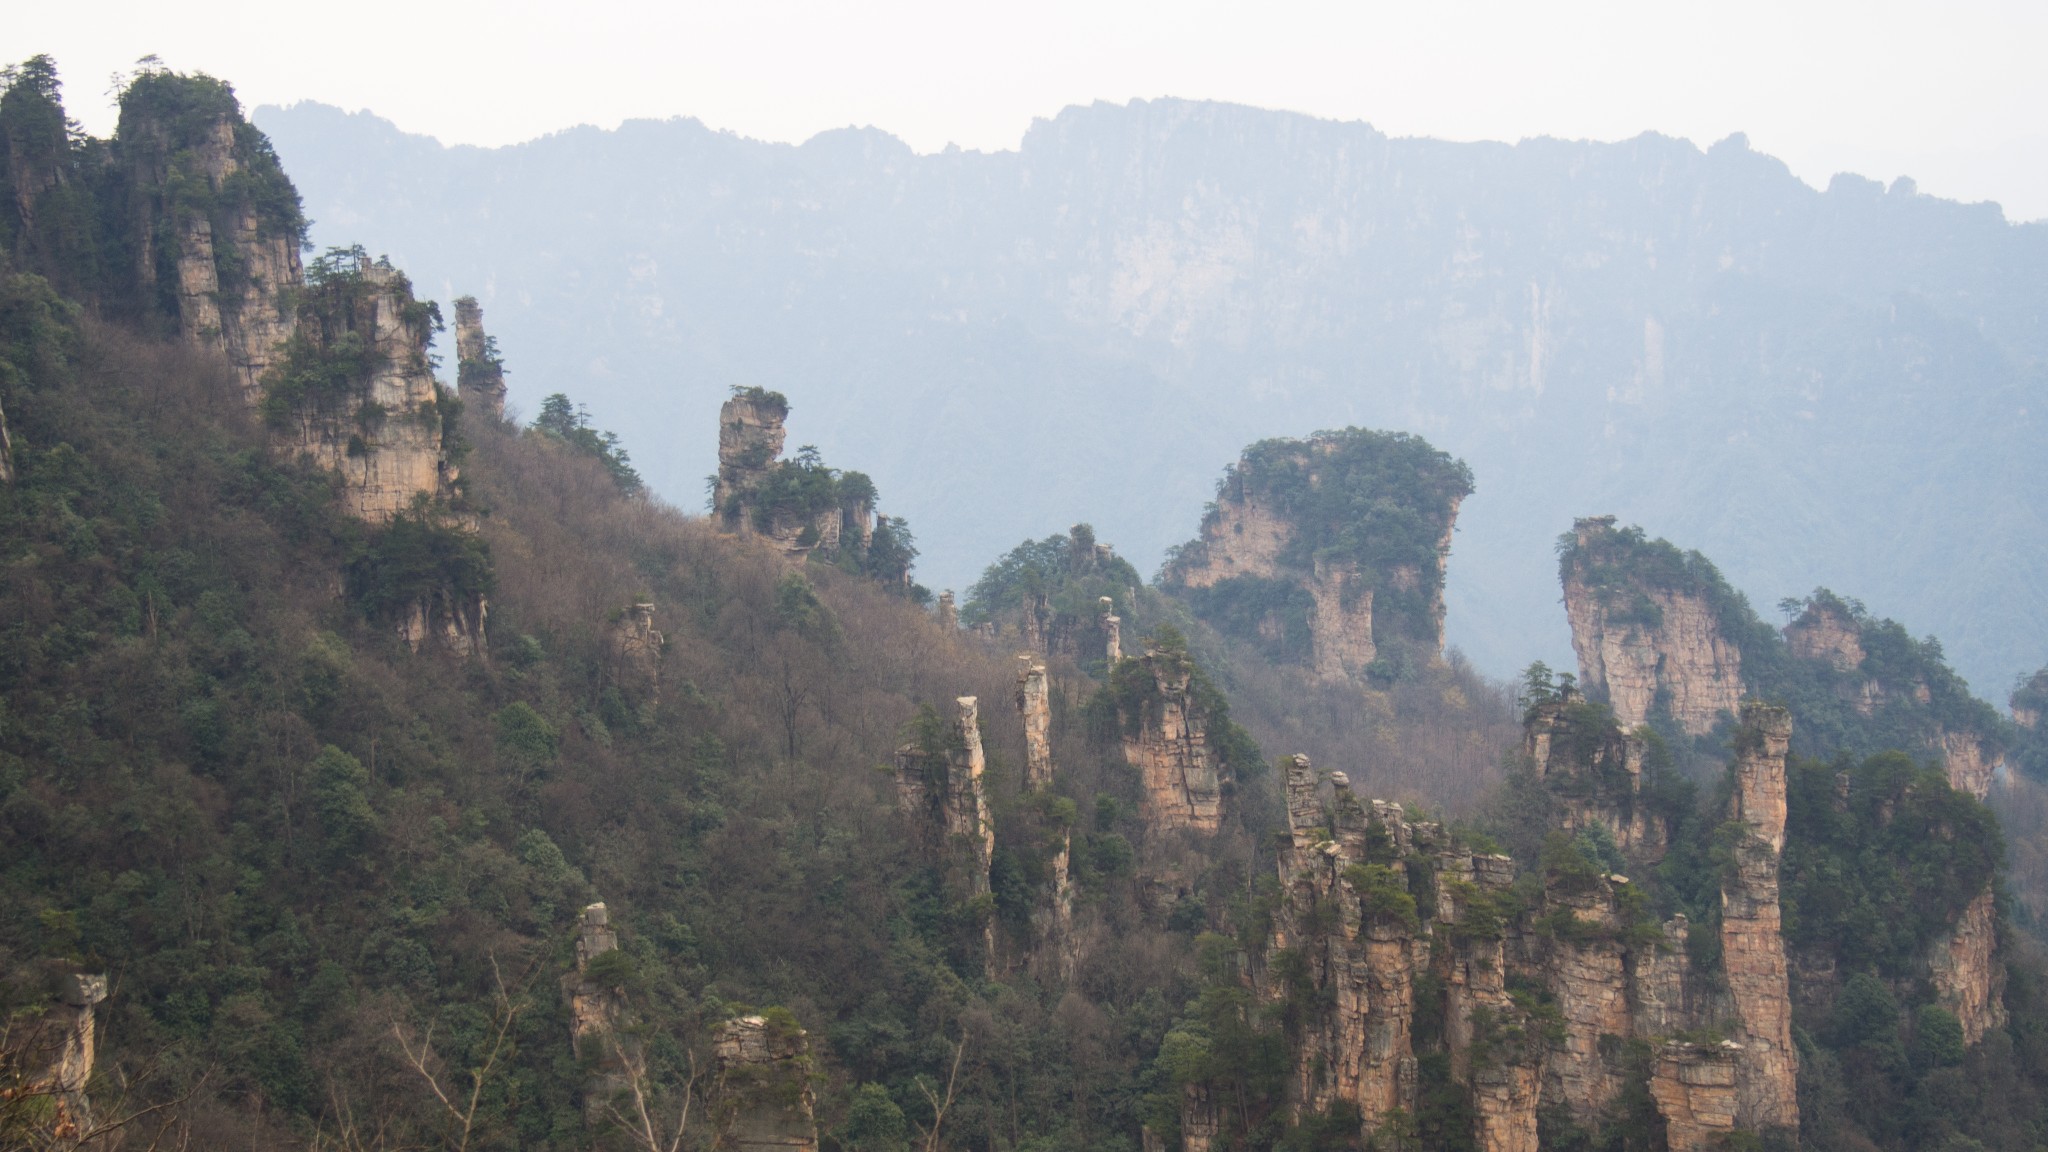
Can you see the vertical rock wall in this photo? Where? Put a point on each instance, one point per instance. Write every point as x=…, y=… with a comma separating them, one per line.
x=1968, y=977
x=1752, y=946
x=1588, y=975
x=597, y=1012
x=1034, y=702
x=234, y=268
x=6, y=452
x=1354, y=1044
x=1638, y=643
x=382, y=435
x=1170, y=750
x=479, y=371
x=1594, y=776
x=1694, y=1087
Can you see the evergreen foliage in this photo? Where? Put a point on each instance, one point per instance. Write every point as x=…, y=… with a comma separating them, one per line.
x=1378, y=502
x=569, y=423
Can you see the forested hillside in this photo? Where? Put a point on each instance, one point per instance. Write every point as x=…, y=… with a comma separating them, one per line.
x=1837, y=387
x=378, y=771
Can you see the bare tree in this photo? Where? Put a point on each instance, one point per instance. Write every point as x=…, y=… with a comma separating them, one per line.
x=419, y=1056
x=941, y=1105
x=645, y=1129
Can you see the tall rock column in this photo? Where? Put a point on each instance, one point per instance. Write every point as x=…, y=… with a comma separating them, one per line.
x=479, y=371
x=192, y=177
x=1752, y=945
x=1168, y=744
x=765, y=1103
x=6, y=452
x=597, y=1012
x=380, y=429
x=1354, y=1042
x=1588, y=976
x=1057, y=918
x=1112, y=631
x=750, y=437
x=1035, y=703
x=1642, y=634
x=940, y=789
x=1494, y=1047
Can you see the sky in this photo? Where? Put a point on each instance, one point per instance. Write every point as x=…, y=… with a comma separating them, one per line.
x=1953, y=94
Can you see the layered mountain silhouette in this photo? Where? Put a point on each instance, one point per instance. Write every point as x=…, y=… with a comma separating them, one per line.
x=1841, y=385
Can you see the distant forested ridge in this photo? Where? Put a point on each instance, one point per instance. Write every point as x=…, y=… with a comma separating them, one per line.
x=1840, y=387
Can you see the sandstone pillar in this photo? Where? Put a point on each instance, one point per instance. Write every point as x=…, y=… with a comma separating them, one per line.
x=1752, y=946
x=1034, y=701
x=765, y=1103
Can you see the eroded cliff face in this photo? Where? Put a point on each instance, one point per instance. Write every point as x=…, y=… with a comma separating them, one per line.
x=234, y=260
x=1354, y=1047
x=1964, y=967
x=597, y=1022
x=6, y=452
x=797, y=506
x=939, y=787
x=764, y=1097
x=1167, y=741
x=634, y=647
x=1694, y=1087
x=1594, y=775
x=1640, y=643
x=53, y=1052
x=1752, y=944
x=479, y=371
x=356, y=395
x=1824, y=632
x=1276, y=546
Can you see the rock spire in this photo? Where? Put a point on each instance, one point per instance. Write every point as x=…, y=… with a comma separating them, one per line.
x=1752, y=945
x=479, y=370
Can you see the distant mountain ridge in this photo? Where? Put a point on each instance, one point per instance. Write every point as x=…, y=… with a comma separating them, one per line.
x=1836, y=386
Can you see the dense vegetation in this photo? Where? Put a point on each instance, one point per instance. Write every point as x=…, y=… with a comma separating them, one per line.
x=106, y=228
x=331, y=878
x=1903, y=694
x=1379, y=503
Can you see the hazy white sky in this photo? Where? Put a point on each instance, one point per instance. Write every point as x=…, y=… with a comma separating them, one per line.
x=1954, y=94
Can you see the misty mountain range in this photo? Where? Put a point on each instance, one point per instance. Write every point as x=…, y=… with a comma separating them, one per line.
x=1842, y=387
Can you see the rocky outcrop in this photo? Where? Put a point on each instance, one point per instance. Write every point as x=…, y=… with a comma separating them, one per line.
x=1166, y=738
x=949, y=615
x=1354, y=1044
x=797, y=506
x=205, y=185
x=1297, y=535
x=1640, y=642
x=1594, y=774
x=1495, y=1050
x=49, y=1057
x=633, y=647
x=454, y=623
x=1826, y=633
x=750, y=437
x=6, y=452
x=356, y=395
x=597, y=1012
x=1752, y=945
x=764, y=1098
x=1587, y=972
x=1112, y=625
x=1964, y=967
x=1034, y=702
x=939, y=787
x=1695, y=1090
x=1969, y=760
x=479, y=370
